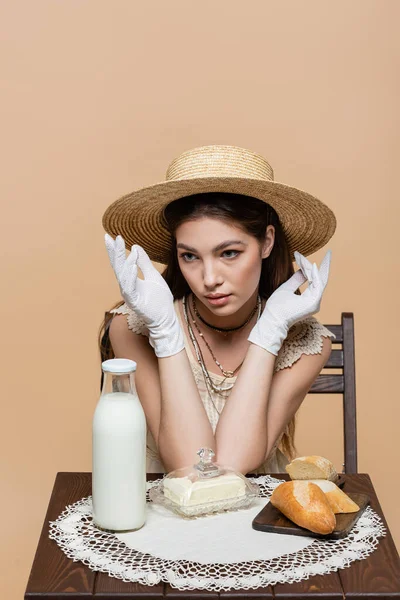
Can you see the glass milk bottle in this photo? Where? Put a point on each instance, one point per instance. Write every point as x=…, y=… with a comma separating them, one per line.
x=119, y=451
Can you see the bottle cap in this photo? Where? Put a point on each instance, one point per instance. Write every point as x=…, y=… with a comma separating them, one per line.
x=118, y=365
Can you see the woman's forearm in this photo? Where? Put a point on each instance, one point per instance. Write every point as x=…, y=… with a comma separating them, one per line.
x=184, y=425
x=241, y=434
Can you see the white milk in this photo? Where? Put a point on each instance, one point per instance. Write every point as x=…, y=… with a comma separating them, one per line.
x=119, y=462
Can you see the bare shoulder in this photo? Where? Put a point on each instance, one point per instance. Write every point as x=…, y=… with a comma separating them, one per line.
x=322, y=358
x=125, y=342
x=326, y=349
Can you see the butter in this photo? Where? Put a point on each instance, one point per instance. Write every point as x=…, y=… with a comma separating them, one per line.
x=184, y=492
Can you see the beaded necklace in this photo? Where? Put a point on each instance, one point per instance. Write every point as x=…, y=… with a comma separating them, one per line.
x=223, y=371
x=219, y=389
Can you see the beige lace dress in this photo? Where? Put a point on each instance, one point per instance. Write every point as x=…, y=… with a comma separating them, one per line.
x=305, y=337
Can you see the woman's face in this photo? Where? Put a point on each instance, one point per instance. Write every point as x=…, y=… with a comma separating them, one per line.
x=218, y=258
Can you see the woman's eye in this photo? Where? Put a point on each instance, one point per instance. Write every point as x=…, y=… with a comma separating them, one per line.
x=187, y=256
x=232, y=253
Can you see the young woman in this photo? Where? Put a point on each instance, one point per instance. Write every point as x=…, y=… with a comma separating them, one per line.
x=226, y=346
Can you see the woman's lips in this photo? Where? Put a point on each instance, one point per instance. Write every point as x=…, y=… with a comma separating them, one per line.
x=221, y=301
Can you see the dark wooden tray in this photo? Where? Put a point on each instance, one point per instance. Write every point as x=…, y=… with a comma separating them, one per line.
x=340, y=480
x=272, y=520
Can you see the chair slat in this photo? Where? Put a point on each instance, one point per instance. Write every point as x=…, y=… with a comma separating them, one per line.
x=327, y=384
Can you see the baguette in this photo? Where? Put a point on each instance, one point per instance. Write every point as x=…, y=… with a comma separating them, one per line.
x=338, y=500
x=311, y=467
x=305, y=504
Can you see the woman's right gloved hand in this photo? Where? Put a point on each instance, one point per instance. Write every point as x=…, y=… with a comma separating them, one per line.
x=150, y=298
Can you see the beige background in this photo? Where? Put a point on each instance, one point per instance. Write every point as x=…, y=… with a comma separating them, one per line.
x=97, y=98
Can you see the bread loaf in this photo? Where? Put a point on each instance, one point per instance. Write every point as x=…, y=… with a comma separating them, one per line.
x=305, y=504
x=311, y=467
x=338, y=500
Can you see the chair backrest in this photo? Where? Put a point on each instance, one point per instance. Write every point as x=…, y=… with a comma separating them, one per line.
x=343, y=383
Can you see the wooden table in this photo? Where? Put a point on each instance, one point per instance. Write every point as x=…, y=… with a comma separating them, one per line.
x=54, y=576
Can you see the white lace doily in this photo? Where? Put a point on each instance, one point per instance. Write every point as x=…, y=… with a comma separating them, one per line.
x=217, y=553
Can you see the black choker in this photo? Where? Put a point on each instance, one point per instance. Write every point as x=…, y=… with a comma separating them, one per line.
x=227, y=329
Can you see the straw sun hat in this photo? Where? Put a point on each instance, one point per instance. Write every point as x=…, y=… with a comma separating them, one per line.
x=308, y=224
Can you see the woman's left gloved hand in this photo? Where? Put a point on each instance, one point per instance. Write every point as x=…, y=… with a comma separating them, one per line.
x=284, y=307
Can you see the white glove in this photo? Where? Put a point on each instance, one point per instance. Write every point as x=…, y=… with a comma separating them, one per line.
x=150, y=297
x=284, y=307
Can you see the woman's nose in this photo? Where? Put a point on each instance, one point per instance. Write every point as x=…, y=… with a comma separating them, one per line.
x=211, y=276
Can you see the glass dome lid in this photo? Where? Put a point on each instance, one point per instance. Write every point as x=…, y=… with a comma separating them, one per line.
x=204, y=488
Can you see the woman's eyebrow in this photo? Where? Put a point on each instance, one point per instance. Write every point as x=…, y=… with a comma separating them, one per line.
x=219, y=247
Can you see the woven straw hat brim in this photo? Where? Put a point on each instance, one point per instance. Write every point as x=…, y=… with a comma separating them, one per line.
x=307, y=222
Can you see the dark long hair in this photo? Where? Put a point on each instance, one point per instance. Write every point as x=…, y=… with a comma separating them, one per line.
x=248, y=213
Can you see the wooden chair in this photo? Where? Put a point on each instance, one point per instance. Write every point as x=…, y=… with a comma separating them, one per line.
x=342, y=383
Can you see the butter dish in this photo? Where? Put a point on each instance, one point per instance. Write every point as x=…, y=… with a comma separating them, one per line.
x=204, y=488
